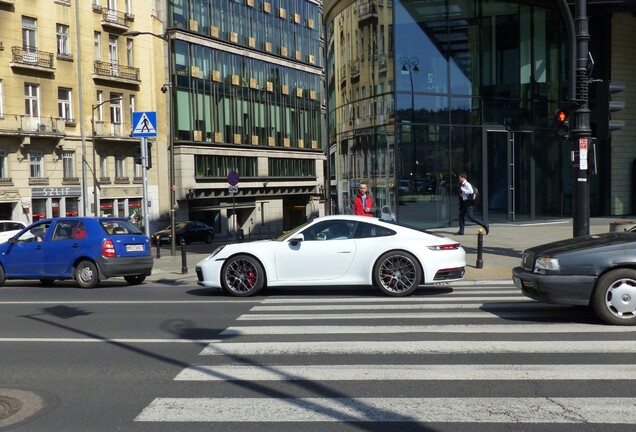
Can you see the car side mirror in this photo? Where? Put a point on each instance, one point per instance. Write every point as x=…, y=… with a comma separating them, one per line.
x=12, y=240
x=295, y=240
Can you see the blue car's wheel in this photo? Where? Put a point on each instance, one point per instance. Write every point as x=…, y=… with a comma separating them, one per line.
x=86, y=274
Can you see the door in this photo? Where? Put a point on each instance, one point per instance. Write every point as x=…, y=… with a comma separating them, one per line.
x=509, y=176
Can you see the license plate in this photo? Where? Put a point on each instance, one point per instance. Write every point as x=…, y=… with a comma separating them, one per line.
x=135, y=248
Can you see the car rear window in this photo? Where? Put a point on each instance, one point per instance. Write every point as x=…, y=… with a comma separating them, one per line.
x=119, y=227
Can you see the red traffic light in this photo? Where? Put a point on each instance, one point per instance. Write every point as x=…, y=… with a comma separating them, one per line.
x=562, y=116
x=562, y=123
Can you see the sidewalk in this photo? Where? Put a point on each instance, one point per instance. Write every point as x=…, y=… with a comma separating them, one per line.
x=502, y=249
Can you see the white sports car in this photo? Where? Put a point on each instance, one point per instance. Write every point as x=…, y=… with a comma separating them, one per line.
x=336, y=250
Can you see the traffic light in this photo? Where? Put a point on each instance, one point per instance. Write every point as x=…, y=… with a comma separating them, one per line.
x=137, y=156
x=562, y=123
x=606, y=106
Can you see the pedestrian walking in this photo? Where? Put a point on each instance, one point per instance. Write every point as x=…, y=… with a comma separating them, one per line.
x=466, y=203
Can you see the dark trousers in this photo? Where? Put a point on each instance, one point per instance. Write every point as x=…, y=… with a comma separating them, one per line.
x=466, y=211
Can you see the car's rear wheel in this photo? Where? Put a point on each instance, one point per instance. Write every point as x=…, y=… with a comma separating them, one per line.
x=397, y=273
x=2, y=276
x=86, y=274
x=242, y=276
x=614, y=298
x=135, y=280
x=208, y=238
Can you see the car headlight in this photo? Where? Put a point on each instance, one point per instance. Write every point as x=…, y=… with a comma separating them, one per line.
x=544, y=264
x=216, y=251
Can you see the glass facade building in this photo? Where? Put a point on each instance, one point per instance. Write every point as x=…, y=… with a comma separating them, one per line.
x=247, y=91
x=419, y=92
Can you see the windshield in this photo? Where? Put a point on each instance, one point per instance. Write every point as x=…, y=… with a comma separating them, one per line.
x=284, y=236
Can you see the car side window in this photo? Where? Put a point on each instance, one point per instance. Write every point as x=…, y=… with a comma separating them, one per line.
x=330, y=230
x=35, y=234
x=79, y=231
x=63, y=230
x=366, y=230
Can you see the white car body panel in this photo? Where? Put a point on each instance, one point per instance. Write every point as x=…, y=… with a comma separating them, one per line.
x=6, y=235
x=335, y=262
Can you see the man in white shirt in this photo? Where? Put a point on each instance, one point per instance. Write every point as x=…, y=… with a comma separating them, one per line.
x=466, y=205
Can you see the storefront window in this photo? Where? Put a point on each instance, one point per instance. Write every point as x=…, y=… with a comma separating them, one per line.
x=39, y=209
x=72, y=207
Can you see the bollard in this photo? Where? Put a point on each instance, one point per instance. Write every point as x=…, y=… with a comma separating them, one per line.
x=184, y=262
x=158, y=244
x=480, y=249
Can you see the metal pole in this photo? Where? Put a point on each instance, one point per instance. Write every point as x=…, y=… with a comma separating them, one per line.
x=81, y=111
x=93, y=133
x=173, y=203
x=581, y=134
x=144, y=180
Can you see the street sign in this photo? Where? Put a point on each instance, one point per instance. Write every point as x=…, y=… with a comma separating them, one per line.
x=145, y=124
x=233, y=178
x=232, y=189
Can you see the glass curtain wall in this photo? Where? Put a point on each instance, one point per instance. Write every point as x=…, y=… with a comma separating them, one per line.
x=476, y=85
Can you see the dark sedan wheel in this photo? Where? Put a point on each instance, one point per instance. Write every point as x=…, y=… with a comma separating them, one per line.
x=208, y=238
x=86, y=274
x=242, y=276
x=135, y=280
x=614, y=299
x=397, y=273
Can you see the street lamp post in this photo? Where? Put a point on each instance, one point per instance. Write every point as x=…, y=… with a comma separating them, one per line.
x=93, y=134
x=171, y=172
x=409, y=65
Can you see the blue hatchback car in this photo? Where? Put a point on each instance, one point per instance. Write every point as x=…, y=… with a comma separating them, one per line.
x=81, y=248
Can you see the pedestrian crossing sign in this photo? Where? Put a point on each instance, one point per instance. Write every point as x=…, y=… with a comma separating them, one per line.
x=144, y=123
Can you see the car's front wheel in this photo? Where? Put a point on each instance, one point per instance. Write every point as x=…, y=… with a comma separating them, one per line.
x=135, y=280
x=614, y=299
x=3, y=278
x=397, y=273
x=242, y=276
x=208, y=238
x=86, y=274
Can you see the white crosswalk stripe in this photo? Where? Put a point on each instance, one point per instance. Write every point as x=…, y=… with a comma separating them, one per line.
x=501, y=337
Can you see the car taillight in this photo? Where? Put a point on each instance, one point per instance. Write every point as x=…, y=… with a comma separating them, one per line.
x=451, y=246
x=108, y=249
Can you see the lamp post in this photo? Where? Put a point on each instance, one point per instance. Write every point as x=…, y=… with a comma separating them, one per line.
x=171, y=172
x=93, y=134
x=409, y=65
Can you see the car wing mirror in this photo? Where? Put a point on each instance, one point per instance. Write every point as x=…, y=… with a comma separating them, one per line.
x=295, y=240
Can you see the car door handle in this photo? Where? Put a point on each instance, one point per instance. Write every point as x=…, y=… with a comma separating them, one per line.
x=38, y=247
x=75, y=245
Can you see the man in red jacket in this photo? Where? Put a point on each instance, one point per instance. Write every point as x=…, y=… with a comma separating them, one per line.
x=363, y=204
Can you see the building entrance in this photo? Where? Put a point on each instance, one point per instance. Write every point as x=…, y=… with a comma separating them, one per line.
x=508, y=182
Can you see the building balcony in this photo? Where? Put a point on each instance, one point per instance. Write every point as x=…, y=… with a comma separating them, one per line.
x=355, y=70
x=32, y=59
x=368, y=14
x=29, y=126
x=113, y=131
x=115, y=19
x=116, y=72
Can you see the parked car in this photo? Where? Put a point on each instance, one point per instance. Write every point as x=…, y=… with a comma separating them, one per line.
x=9, y=228
x=189, y=231
x=81, y=248
x=596, y=270
x=405, y=187
x=336, y=251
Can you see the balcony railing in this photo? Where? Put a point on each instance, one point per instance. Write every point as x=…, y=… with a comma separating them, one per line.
x=115, y=18
x=31, y=58
x=22, y=123
x=116, y=70
x=113, y=130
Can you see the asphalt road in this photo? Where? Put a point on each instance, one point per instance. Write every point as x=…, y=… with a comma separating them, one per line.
x=178, y=357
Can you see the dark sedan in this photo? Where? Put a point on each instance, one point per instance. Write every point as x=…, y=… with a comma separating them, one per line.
x=596, y=270
x=189, y=231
